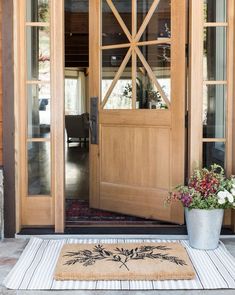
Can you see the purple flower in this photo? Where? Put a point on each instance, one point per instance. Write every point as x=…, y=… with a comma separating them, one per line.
x=186, y=199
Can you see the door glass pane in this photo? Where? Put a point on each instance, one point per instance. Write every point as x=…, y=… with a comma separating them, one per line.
x=214, y=110
x=38, y=53
x=215, y=10
x=158, y=58
x=39, y=168
x=37, y=11
x=112, y=33
x=124, y=8
x=214, y=60
x=213, y=153
x=159, y=25
x=38, y=111
x=121, y=94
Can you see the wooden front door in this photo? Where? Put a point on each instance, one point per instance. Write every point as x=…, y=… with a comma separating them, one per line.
x=137, y=71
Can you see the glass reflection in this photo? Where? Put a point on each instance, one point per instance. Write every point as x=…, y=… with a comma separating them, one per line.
x=158, y=58
x=159, y=25
x=121, y=95
x=39, y=168
x=112, y=32
x=214, y=110
x=38, y=53
x=38, y=111
x=37, y=11
x=215, y=10
x=214, y=60
x=213, y=153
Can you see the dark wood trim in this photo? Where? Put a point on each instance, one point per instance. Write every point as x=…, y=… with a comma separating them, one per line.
x=173, y=230
x=8, y=119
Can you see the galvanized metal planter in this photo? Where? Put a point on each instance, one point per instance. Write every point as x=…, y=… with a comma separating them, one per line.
x=204, y=227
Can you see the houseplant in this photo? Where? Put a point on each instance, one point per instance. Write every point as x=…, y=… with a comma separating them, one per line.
x=205, y=197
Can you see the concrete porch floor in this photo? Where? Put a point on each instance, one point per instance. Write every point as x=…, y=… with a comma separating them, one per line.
x=11, y=249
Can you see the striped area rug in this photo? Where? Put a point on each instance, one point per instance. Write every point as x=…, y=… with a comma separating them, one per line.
x=35, y=269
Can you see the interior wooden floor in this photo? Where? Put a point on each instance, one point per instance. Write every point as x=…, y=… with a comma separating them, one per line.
x=77, y=172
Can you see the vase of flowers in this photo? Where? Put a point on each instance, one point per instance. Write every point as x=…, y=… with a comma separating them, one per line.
x=205, y=197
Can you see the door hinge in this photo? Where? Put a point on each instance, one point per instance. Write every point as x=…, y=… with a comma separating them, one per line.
x=186, y=120
x=187, y=54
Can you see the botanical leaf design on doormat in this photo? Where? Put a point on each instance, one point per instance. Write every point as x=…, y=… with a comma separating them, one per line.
x=121, y=256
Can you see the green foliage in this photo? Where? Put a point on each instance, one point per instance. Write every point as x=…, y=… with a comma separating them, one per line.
x=145, y=93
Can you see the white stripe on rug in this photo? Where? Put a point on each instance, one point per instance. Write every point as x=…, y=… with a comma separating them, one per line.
x=35, y=268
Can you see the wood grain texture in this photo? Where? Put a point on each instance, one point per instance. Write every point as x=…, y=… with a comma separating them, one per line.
x=195, y=83
x=142, y=117
x=94, y=90
x=38, y=211
x=136, y=156
x=58, y=136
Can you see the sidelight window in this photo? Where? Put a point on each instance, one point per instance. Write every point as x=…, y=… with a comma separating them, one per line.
x=215, y=80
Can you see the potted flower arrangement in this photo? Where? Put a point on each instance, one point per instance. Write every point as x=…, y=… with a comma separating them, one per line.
x=205, y=197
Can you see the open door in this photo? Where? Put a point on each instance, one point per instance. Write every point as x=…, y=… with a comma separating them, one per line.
x=137, y=73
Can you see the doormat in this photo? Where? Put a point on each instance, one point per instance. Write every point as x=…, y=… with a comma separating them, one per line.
x=36, y=268
x=132, y=261
x=79, y=213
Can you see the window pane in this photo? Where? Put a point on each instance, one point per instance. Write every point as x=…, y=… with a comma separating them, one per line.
x=37, y=11
x=214, y=110
x=159, y=25
x=148, y=94
x=38, y=53
x=38, y=111
x=213, y=153
x=215, y=10
x=39, y=168
x=121, y=95
x=112, y=32
x=214, y=60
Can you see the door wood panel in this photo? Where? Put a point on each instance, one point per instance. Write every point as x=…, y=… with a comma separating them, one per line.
x=146, y=160
x=134, y=200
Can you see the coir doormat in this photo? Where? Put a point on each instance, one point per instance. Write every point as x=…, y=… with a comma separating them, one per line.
x=36, y=267
x=132, y=261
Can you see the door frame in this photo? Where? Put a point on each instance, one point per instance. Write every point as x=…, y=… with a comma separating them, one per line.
x=11, y=134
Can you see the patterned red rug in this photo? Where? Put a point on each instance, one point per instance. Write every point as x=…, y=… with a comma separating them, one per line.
x=78, y=212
